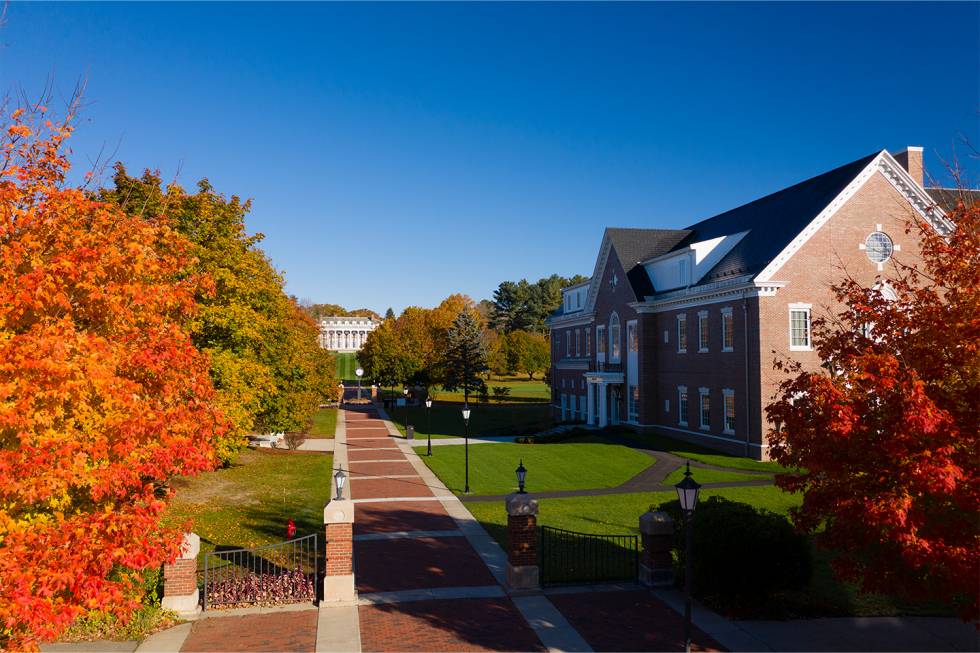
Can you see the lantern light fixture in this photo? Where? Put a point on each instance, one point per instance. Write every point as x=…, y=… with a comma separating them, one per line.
x=521, y=474
x=339, y=479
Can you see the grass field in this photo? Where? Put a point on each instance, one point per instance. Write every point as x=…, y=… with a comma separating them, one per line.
x=702, y=454
x=242, y=506
x=324, y=423
x=346, y=364
x=713, y=476
x=577, y=464
x=447, y=421
x=522, y=391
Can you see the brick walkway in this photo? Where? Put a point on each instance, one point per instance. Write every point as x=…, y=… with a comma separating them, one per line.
x=288, y=631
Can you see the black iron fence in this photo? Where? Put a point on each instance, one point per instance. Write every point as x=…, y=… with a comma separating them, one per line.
x=285, y=572
x=569, y=558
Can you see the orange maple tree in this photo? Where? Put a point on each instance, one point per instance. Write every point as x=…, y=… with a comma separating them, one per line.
x=887, y=437
x=102, y=393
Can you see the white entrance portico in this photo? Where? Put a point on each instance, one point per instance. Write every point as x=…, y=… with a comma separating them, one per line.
x=603, y=386
x=345, y=334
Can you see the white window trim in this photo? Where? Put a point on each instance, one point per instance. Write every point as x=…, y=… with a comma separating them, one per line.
x=600, y=335
x=619, y=338
x=701, y=394
x=681, y=317
x=682, y=389
x=636, y=331
x=578, y=343
x=702, y=315
x=568, y=344
x=809, y=329
x=727, y=311
x=666, y=405
x=724, y=408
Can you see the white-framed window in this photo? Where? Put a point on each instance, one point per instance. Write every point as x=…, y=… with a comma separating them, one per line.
x=682, y=405
x=578, y=299
x=799, y=327
x=682, y=268
x=705, y=409
x=578, y=343
x=666, y=335
x=588, y=342
x=568, y=343
x=729, y=411
x=600, y=340
x=727, y=330
x=568, y=303
x=703, y=332
x=634, y=404
x=632, y=338
x=614, y=337
x=682, y=333
x=666, y=405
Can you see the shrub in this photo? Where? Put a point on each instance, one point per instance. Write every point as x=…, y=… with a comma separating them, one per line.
x=294, y=440
x=619, y=428
x=500, y=392
x=553, y=437
x=737, y=549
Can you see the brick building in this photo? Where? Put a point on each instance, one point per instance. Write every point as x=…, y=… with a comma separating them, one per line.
x=677, y=330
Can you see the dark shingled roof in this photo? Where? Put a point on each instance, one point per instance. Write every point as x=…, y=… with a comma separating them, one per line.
x=774, y=221
x=948, y=198
x=633, y=246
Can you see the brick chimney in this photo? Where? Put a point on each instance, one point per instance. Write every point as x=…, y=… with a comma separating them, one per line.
x=911, y=160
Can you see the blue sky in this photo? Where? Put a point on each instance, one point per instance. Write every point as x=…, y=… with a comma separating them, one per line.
x=399, y=153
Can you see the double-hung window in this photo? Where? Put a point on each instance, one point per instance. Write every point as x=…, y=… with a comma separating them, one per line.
x=703, y=331
x=634, y=404
x=578, y=343
x=705, y=409
x=614, y=337
x=681, y=334
x=600, y=340
x=727, y=330
x=682, y=405
x=799, y=327
x=632, y=341
x=588, y=342
x=568, y=344
x=729, y=411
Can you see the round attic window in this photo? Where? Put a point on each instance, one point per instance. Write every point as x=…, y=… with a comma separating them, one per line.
x=879, y=247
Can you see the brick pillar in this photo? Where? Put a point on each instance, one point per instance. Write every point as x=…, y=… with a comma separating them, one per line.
x=338, y=584
x=340, y=394
x=522, y=542
x=656, y=537
x=374, y=392
x=180, y=592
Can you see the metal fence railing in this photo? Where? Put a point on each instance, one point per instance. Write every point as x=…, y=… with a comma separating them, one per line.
x=285, y=572
x=569, y=558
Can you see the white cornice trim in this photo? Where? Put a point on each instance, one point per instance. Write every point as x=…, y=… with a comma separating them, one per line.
x=572, y=319
x=600, y=270
x=710, y=294
x=891, y=170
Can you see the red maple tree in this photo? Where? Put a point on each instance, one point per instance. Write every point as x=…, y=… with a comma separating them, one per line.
x=886, y=436
x=102, y=393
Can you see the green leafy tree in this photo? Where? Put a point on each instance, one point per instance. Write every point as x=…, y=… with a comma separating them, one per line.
x=465, y=355
x=523, y=306
x=527, y=352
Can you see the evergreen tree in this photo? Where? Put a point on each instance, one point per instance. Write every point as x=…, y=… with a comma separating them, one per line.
x=389, y=313
x=465, y=355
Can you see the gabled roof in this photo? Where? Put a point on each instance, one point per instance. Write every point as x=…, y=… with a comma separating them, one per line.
x=948, y=198
x=773, y=221
x=636, y=245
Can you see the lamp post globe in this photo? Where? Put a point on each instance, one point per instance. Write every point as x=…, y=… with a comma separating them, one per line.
x=466, y=447
x=687, y=493
x=428, y=413
x=359, y=372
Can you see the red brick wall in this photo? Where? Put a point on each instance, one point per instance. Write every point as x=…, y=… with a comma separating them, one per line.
x=522, y=540
x=339, y=549
x=180, y=578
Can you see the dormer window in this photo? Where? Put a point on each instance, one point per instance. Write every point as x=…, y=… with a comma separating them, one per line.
x=682, y=267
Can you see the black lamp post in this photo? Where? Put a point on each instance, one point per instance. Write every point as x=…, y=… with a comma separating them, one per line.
x=466, y=445
x=338, y=480
x=406, y=411
x=428, y=413
x=521, y=473
x=687, y=492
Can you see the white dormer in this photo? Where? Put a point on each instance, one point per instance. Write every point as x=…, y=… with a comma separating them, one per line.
x=685, y=267
x=575, y=296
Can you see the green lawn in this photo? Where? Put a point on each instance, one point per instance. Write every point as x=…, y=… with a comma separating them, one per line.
x=242, y=506
x=447, y=421
x=521, y=392
x=701, y=454
x=581, y=463
x=346, y=364
x=324, y=423
x=712, y=476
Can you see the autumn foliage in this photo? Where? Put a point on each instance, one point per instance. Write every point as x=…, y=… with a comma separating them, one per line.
x=102, y=392
x=888, y=434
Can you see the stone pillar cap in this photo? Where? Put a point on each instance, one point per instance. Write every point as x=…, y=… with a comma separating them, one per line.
x=521, y=504
x=339, y=511
x=191, y=546
x=656, y=523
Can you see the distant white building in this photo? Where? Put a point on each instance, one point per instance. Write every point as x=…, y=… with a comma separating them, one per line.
x=345, y=334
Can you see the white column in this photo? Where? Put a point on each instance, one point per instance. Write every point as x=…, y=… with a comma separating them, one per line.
x=590, y=416
x=602, y=404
